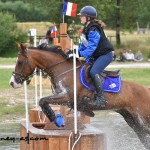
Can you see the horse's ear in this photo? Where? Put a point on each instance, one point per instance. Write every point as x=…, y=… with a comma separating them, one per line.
x=21, y=47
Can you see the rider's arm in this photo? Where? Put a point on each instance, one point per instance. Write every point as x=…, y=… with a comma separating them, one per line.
x=93, y=40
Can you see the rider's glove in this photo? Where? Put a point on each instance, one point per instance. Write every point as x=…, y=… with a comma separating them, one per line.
x=77, y=53
x=69, y=54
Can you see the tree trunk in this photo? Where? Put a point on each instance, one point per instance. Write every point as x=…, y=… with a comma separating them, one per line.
x=118, y=41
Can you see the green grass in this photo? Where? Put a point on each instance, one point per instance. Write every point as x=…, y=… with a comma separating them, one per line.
x=5, y=75
x=7, y=61
x=137, y=75
x=12, y=112
x=8, y=109
x=17, y=109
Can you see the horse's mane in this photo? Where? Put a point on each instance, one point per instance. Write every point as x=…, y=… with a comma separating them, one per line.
x=54, y=49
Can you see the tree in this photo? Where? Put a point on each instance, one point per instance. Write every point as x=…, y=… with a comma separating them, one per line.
x=117, y=14
x=24, y=12
x=118, y=22
x=9, y=34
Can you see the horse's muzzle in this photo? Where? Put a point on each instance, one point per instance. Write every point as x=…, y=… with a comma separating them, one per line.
x=13, y=83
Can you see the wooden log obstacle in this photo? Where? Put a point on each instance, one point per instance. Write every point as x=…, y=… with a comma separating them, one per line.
x=40, y=139
x=34, y=114
x=46, y=136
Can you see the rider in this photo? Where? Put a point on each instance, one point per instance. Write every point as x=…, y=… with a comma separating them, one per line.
x=95, y=47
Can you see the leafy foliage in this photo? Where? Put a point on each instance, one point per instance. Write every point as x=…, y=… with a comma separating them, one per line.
x=120, y=17
x=9, y=34
x=131, y=11
x=24, y=11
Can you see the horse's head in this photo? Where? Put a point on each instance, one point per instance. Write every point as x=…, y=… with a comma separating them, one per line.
x=23, y=69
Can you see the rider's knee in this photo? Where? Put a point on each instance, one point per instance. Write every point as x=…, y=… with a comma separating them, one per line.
x=92, y=74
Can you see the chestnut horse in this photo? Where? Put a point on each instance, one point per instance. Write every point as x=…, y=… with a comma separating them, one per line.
x=132, y=102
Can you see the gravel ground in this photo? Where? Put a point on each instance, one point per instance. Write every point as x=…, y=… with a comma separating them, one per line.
x=112, y=65
x=130, y=65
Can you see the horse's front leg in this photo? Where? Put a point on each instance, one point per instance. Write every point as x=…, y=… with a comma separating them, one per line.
x=47, y=110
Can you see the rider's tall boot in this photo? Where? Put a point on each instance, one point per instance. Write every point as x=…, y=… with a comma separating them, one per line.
x=100, y=100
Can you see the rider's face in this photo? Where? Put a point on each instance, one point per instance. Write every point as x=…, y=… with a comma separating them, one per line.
x=83, y=19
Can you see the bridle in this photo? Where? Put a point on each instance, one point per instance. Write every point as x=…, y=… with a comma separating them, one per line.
x=21, y=75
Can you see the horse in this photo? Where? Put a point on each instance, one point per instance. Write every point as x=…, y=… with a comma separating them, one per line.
x=132, y=102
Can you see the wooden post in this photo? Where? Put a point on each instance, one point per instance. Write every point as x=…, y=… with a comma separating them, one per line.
x=55, y=41
x=65, y=41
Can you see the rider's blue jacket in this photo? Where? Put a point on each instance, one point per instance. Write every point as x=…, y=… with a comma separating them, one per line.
x=92, y=43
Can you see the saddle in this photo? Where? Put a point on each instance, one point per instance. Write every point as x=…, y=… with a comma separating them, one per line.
x=105, y=73
x=113, y=73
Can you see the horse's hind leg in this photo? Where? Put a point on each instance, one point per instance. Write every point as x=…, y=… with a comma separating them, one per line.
x=141, y=132
x=44, y=104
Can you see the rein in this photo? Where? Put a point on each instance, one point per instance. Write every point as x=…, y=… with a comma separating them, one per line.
x=66, y=72
x=53, y=65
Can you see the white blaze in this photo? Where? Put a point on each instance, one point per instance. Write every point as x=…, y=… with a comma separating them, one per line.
x=13, y=83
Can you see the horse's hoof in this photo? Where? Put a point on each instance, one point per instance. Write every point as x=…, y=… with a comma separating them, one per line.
x=89, y=113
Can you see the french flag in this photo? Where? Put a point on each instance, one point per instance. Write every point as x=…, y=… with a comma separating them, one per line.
x=69, y=9
x=54, y=31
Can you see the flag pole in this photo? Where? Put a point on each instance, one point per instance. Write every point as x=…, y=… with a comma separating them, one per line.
x=63, y=13
x=55, y=27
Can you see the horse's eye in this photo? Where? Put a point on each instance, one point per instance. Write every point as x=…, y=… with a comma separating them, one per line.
x=20, y=63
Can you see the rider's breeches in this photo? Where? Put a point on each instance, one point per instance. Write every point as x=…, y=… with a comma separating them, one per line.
x=100, y=64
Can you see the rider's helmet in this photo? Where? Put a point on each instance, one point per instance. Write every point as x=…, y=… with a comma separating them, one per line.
x=88, y=11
